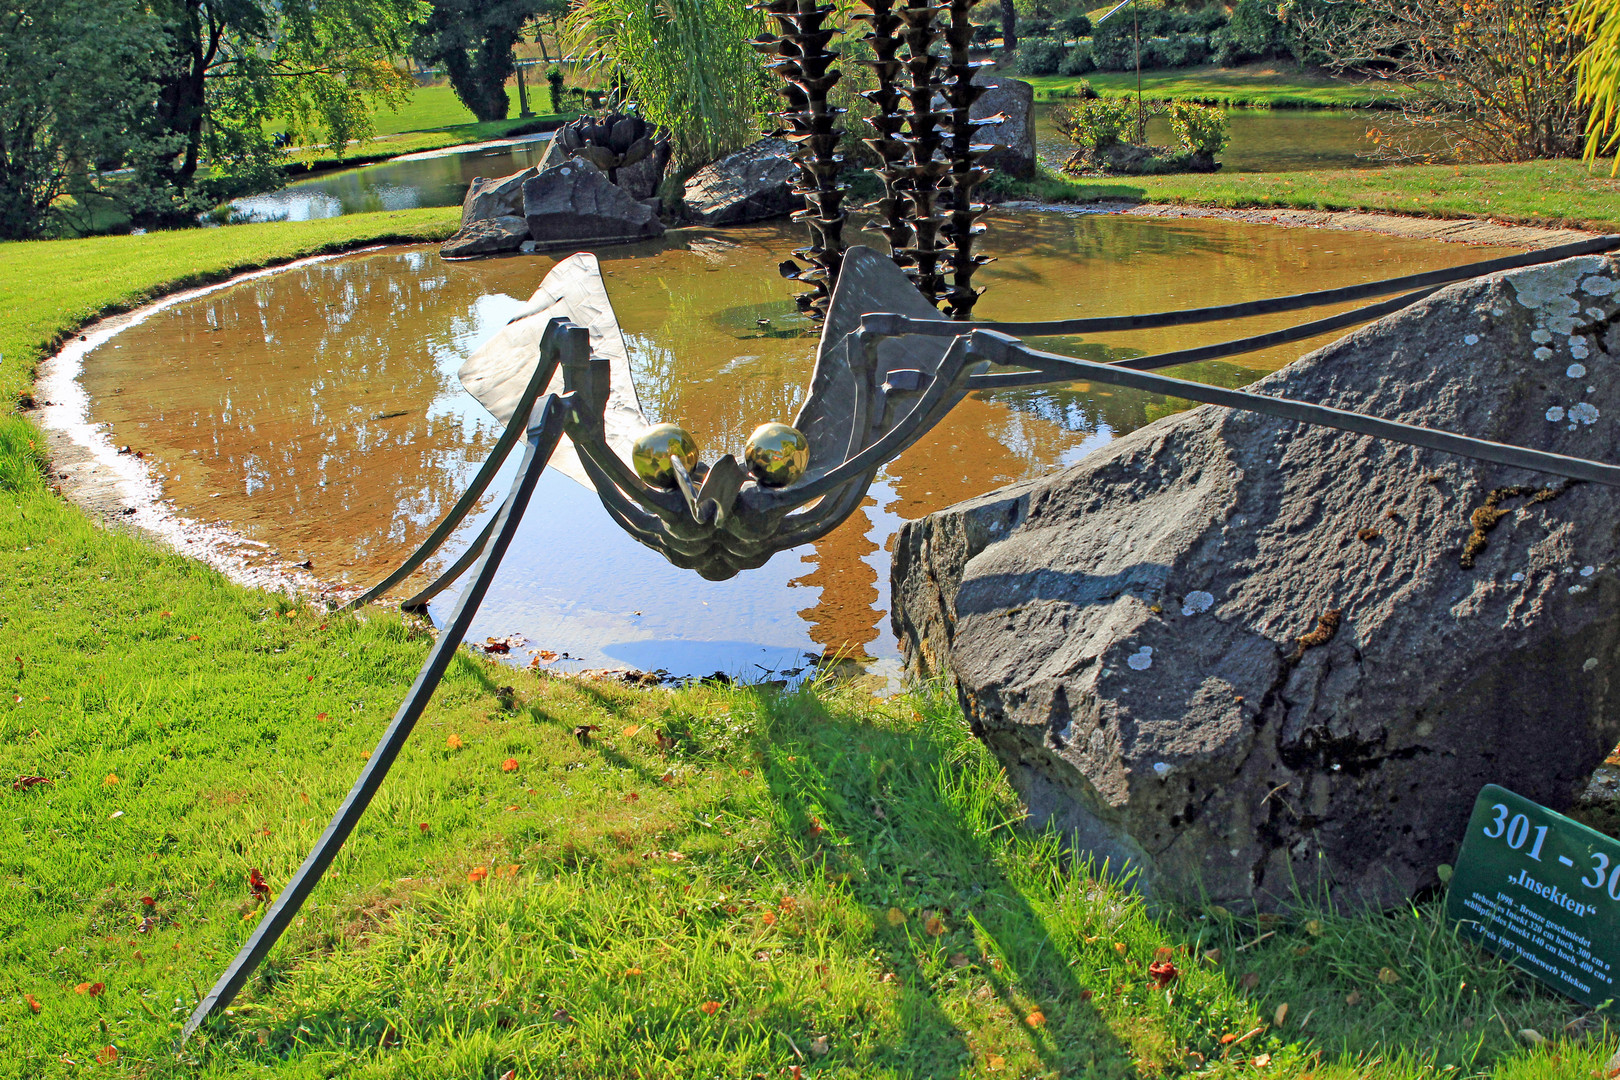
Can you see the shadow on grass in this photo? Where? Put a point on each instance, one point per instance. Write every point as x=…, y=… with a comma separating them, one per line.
x=875, y=804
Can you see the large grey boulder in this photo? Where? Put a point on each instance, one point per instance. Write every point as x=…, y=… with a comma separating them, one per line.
x=573, y=203
x=500, y=197
x=1013, y=137
x=753, y=184
x=491, y=217
x=487, y=236
x=1247, y=656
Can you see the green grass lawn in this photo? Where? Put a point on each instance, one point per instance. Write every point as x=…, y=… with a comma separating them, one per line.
x=1561, y=193
x=715, y=882
x=1254, y=85
x=432, y=119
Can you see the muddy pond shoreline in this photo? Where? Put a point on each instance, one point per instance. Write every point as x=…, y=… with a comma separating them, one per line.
x=125, y=489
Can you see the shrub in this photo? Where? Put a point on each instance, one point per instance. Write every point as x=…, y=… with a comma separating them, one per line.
x=1199, y=128
x=1254, y=33
x=1077, y=25
x=1181, y=50
x=1078, y=60
x=554, y=78
x=1039, y=56
x=1098, y=123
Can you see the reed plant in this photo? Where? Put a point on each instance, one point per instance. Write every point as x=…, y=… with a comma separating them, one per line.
x=686, y=64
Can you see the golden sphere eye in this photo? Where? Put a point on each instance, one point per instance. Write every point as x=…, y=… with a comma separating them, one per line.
x=777, y=454
x=655, y=450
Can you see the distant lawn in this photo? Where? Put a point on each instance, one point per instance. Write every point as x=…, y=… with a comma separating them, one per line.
x=1255, y=85
x=1559, y=193
x=432, y=119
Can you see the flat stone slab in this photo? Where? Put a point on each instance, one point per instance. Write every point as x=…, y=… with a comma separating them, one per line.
x=574, y=204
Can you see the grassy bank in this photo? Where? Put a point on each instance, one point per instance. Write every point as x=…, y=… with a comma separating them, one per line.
x=703, y=883
x=386, y=147
x=1252, y=86
x=1558, y=193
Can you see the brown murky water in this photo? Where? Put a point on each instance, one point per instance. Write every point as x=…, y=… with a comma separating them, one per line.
x=317, y=411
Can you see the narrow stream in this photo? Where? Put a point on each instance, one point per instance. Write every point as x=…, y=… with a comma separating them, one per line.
x=317, y=411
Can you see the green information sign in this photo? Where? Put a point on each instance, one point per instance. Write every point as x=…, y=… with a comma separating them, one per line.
x=1542, y=891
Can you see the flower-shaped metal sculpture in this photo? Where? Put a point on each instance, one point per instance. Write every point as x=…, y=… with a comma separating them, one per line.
x=612, y=142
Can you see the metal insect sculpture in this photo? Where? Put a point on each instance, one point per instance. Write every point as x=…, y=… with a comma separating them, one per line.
x=888, y=368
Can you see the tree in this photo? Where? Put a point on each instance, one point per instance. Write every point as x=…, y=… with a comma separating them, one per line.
x=1485, y=80
x=1009, y=24
x=231, y=65
x=687, y=64
x=473, y=39
x=77, y=78
x=1598, y=75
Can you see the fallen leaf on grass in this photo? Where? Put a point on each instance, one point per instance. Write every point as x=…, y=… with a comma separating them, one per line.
x=996, y=1063
x=896, y=916
x=935, y=926
x=631, y=730
x=509, y=765
x=23, y=783
x=1249, y=981
x=1262, y=1060
x=561, y=1016
x=1119, y=947
x=33, y=1003
x=1085, y=995
x=1036, y=1019
x=1164, y=972
x=582, y=732
x=93, y=989
x=1532, y=1037
x=1388, y=977
x=1353, y=998
x=1213, y=956
x=256, y=883
x=320, y=716
x=477, y=874
x=107, y=1056
x=1281, y=1015
x=633, y=796
x=112, y=779
x=147, y=925
x=148, y=901
x=667, y=778
x=795, y=1072
x=424, y=826
x=769, y=918
x=453, y=742
x=959, y=960
x=631, y=972
x=509, y=1074
x=710, y=1007
x=1229, y=1038
x=1313, y=927
x=820, y=1045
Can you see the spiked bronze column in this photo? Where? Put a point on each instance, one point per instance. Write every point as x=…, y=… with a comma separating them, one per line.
x=921, y=31
x=888, y=122
x=806, y=67
x=964, y=153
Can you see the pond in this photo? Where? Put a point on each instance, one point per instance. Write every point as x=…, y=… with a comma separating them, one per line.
x=435, y=178
x=316, y=411
x=1261, y=140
